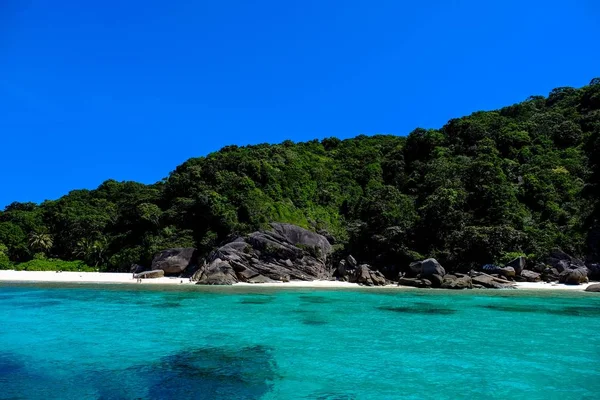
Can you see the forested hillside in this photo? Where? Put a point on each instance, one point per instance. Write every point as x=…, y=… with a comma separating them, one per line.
x=522, y=179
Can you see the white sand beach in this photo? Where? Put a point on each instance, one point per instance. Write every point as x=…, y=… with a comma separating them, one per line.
x=126, y=278
x=551, y=286
x=82, y=277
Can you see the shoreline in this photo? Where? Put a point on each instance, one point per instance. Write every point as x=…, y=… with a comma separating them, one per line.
x=127, y=279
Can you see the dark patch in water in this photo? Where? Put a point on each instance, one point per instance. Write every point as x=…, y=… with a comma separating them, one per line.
x=316, y=299
x=9, y=296
x=429, y=310
x=303, y=311
x=17, y=381
x=9, y=364
x=166, y=305
x=211, y=373
x=39, y=304
x=580, y=311
x=422, y=304
x=257, y=300
x=511, y=308
x=314, y=321
x=577, y=311
x=333, y=396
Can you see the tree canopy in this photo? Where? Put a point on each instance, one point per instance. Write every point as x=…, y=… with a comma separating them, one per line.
x=522, y=179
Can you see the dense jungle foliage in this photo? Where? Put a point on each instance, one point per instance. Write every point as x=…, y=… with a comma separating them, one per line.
x=522, y=179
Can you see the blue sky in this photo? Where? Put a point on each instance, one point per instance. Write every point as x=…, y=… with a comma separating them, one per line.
x=128, y=90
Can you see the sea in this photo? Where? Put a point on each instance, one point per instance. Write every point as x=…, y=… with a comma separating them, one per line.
x=191, y=342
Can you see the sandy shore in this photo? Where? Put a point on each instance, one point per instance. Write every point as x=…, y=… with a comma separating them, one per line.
x=114, y=277
x=82, y=277
x=125, y=278
x=551, y=286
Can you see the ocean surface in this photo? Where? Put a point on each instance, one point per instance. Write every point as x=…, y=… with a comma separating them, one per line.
x=133, y=342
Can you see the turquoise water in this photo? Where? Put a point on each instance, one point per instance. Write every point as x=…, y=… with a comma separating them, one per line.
x=115, y=342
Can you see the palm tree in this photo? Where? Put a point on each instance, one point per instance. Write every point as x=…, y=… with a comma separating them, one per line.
x=91, y=250
x=40, y=241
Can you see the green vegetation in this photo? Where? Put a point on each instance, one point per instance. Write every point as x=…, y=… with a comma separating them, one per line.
x=520, y=180
x=53, y=265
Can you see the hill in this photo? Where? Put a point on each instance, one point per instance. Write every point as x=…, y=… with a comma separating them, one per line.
x=520, y=180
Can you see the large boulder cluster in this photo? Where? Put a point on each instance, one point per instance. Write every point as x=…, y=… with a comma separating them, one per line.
x=348, y=270
x=571, y=271
x=176, y=261
x=557, y=267
x=287, y=252
x=180, y=262
x=481, y=281
x=429, y=273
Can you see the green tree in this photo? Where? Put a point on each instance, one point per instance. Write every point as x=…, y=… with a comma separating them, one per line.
x=92, y=251
x=40, y=242
x=4, y=260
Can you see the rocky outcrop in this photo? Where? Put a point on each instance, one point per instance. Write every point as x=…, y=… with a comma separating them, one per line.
x=348, y=270
x=565, y=268
x=593, y=271
x=549, y=274
x=414, y=282
x=490, y=282
x=285, y=252
x=136, y=268
x=562, y=261
x=175, y=261
x=490, y=268
x=574, y=276
x=558, y=266
x=392, y=271
x=364, y=275
x=507, y=272
x=436, y=280
x=458, y=281
x=530, y=276
x=352, y=262
x=157, y=273
x=518, y=264
x=427, y=268
x=220, y=273
x=593, y=288
x=563, y=265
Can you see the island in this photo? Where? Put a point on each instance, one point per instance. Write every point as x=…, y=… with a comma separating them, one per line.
x=497, y=199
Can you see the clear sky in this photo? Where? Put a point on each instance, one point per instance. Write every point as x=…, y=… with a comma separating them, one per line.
x=128, y=90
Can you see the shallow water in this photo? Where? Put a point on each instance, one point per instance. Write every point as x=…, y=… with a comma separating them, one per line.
x=127, y=342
